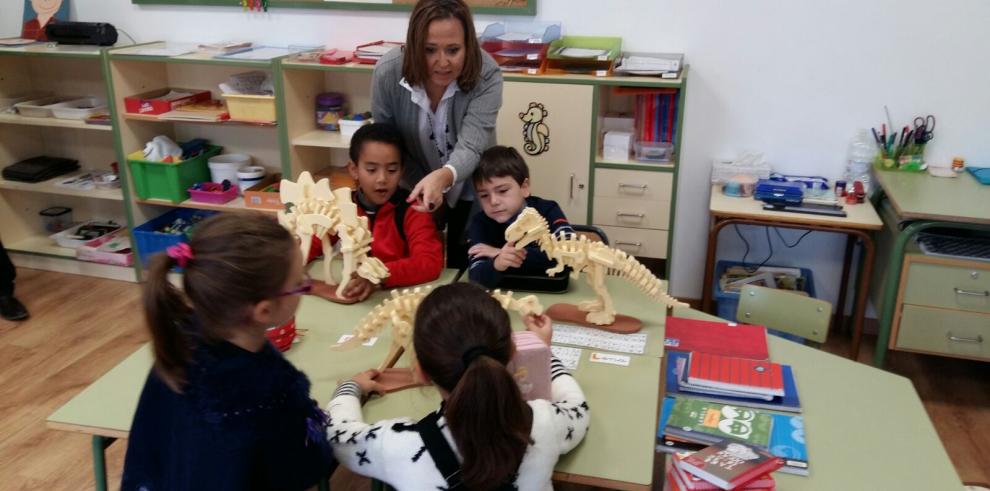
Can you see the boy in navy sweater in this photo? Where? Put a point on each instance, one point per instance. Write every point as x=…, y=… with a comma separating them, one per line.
x=501, y=183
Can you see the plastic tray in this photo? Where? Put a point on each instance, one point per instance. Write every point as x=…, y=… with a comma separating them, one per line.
x=81, y=108
x=65, y=237
x=41, y=108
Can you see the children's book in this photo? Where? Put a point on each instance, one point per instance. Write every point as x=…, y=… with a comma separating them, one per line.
x=730, y=464
x=710, y=422
x=787, y=442
x=789, y=402
x=720, y=338
x=690, y=482
x=759, y=378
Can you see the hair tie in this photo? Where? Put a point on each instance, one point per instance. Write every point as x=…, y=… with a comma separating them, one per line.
x=182, y=254
x=472, y=354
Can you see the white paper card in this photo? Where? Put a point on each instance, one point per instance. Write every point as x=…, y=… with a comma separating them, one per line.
x=611, y=359
x=568, y=356
x=371, y=342
x=598, y=339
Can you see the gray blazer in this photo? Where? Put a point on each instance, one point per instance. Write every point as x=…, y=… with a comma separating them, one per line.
x=473, y=115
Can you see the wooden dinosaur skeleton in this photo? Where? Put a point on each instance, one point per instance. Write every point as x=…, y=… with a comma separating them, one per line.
x=399, y=310
x=316, y=211
x=595, y=259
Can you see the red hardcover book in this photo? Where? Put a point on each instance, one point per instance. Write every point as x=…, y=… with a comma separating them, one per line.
x=729, y=464
x=720, y=338
x=736, y=374
x=689, y=482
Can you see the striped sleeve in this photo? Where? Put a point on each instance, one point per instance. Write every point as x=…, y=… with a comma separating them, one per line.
x=557, y=369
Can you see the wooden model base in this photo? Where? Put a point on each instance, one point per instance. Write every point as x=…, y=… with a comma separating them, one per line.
x=570, y=313
x=329, y=292
x=396, y=379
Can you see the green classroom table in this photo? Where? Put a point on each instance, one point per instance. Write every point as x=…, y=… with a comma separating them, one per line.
x=865, y=427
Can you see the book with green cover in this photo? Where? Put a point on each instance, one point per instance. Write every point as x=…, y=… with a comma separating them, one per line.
x=710, y=422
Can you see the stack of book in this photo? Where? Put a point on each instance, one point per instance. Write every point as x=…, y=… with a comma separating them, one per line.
x=200, y=112
x=725, y=465
x=372, y=52
x=721, y=388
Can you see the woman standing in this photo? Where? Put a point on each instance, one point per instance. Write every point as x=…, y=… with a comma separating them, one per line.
x=443, y=93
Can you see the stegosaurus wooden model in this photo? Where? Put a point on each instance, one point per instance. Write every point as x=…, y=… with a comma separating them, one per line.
x=316, y=211
x=595, y=259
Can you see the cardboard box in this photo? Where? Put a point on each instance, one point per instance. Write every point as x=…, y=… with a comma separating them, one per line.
x=146, y=103
x=530, y=365
x=256, y=198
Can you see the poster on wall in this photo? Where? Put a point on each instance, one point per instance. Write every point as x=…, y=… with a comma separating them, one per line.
x=502, y=7
x=40, y=13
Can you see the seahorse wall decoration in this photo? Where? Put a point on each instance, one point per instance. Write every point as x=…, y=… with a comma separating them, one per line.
x=536, y=133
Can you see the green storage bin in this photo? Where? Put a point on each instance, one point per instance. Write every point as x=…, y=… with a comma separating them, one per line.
x=160, y=180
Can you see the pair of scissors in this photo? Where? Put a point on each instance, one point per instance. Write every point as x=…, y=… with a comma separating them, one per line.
x=924, y=128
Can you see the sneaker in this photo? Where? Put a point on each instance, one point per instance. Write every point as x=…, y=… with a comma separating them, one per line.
x=11, y=309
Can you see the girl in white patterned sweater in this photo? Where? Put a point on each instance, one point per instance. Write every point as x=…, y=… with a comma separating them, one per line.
x=484, y=436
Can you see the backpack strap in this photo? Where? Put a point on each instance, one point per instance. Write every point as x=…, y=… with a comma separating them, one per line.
x=443, y=456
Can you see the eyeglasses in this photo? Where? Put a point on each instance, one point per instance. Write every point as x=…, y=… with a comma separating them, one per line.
x=305, y=287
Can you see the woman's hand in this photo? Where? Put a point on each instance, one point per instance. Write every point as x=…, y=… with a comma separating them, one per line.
x=541, y=325
x=427, y=195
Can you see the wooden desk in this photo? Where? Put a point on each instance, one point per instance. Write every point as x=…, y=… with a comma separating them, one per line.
x=861, y=220
x=926, y=202
x=866, y=428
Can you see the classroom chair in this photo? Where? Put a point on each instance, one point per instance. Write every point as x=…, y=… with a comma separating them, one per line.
x=784, y=311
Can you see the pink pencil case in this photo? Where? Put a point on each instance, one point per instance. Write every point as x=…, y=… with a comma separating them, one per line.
x=531, y=365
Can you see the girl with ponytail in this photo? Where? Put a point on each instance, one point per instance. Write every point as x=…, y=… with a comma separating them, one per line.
x=484, y=436
x=222, y=409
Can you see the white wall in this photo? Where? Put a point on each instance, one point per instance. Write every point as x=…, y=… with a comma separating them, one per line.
x=792, y=78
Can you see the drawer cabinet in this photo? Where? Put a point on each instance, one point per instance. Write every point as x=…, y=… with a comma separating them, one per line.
x=944, y=332
x=949, y=287
x=638, y=241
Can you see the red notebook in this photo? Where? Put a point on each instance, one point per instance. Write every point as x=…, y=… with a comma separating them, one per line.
x=720, y=338
x=736, y=374
x=686, y=481
x=729, y=464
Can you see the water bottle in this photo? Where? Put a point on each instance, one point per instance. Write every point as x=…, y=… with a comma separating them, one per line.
x=862, y=151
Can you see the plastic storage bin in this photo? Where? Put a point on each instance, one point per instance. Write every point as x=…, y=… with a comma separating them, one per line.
x=82, y=233
x=251, y=108
x=150, y=241
x=166, y=180
x=727, y=302
x=211, y=192
x=81, y=108
x=653, y=151
x=56, y=218
x=225, y=167
x=41, y=108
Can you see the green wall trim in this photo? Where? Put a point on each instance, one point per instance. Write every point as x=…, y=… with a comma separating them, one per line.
x=529, y=9
x=637, y=167
x=122, y=168
x=210, y=61
x=44, y=54
x=681, y=99
x=282, y=117
x=595, y=107
x=329, y=68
